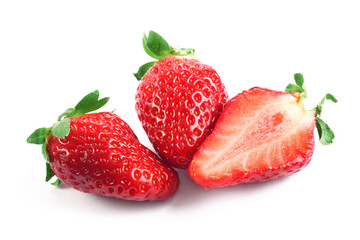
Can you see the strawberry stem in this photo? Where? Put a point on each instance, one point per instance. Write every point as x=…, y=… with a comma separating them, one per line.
x=182, y=51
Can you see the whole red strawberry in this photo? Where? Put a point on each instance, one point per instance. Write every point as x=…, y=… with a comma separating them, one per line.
x=99, y=153
x=178, y=100
x=261, y=135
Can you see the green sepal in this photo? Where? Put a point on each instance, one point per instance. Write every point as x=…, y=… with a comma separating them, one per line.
x=299, y=79
x=49, y=172
x=147, y=49
x=157, y=45
x=89, y=103
x=39, y=136
x=158, y=48
x=326, y=135
x=299, y=87
x=330, y=97
x=62, y=128
x=293, y=88
x=143, y=69
x=45, y=153
x=318, y=108
x=56, y=183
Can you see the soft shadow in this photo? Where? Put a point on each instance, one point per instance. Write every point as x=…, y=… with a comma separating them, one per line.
x=190, y=193
x=63, y=186
x=128, y=205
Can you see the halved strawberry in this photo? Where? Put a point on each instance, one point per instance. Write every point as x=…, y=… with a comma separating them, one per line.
x=261, y=135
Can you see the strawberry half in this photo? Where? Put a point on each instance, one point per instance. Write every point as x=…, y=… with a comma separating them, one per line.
x=99, y=153
x=178, y=100
x=261, y=135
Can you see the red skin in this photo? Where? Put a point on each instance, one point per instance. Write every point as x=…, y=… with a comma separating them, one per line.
x=102, y=155
x=295, y=155
x=178, y=102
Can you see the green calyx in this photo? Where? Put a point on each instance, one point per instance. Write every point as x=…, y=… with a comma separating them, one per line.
x=158, y=48
x=61, y=128
x=326, y=135
x=298, y=87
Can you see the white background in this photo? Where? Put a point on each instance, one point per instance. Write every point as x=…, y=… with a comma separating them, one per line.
x=52, y=53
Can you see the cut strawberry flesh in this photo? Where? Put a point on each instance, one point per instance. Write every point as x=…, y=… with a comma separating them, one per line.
x=259, y=129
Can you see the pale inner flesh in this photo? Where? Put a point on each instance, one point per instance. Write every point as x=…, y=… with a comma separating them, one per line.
x=257, y=139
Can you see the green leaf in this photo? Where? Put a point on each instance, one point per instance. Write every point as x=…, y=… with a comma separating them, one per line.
x=326, y=135
x=38, y=136
x=146, y=48
x=318, y=108
x=293, y=88
x=158, y=45
x=299, y=79
x=45, y=152
x=331, y=97
x=87, y=101
x=299, y=87
x=143, y=69
x=49, y=172
x=56, y=183
x=62, y=128
x=88, y=104
x=95, y=106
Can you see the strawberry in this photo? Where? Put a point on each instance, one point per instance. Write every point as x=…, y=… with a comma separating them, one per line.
x=99, y=153
x=261, y=135
x=178, y=100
